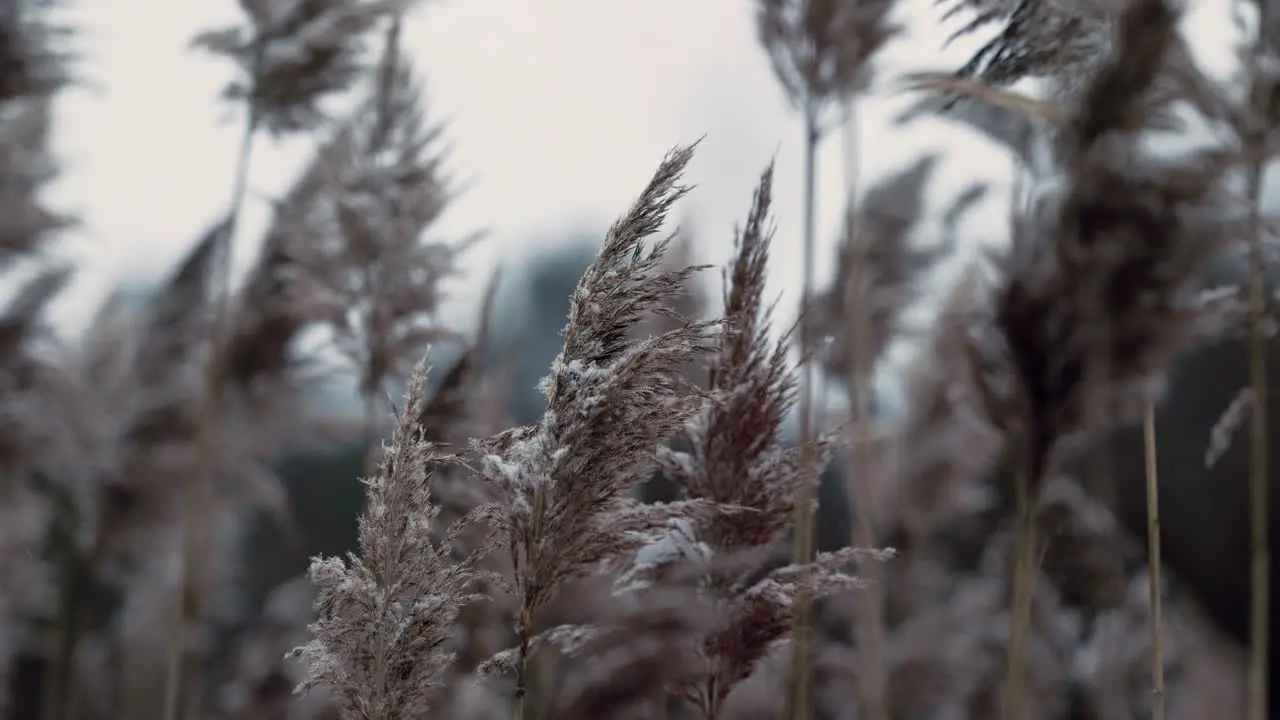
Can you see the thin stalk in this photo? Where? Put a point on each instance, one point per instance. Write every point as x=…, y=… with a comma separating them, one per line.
x=1258, y=501
x=1255, y=132
x=869, y=610
x=804, y=531
x=1025, y=459
x=1153, y=552
x=195, y=492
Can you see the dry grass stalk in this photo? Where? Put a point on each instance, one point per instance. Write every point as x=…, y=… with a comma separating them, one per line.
x=127, y=394
x=1254, y=127
x=877, y=266
x=564, y=486
x=101, y=437
x=362, y=255
x=100, y=380
x=1066, y=43
x=737, y=462
x=292, y=56
x=262, y=676
x=820, y=50
x=973, y=89
x=259, y=413
x=385, y=617
x=1096, y=233
x=1054, y=40
x=1153, y=544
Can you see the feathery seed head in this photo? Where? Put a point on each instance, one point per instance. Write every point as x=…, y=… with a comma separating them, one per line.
x=1109, y=274
x=563, y=486
x=737, y=462
x=382, y=640
x=294, y=54
x=820, y=48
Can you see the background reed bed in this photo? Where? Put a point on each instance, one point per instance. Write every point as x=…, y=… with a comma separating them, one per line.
x=649, y=542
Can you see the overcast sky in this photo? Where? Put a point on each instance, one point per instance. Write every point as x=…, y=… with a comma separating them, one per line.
x=557, y=112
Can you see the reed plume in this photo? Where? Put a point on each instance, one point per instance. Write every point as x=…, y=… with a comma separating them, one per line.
x=820, y=51
x=737, y=461
x=563, y=487
x=386, y=616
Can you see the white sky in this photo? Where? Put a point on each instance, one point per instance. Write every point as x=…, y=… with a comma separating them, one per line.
x=558, y=111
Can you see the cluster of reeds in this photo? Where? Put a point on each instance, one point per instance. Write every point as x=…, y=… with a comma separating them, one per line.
x=519, y=572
